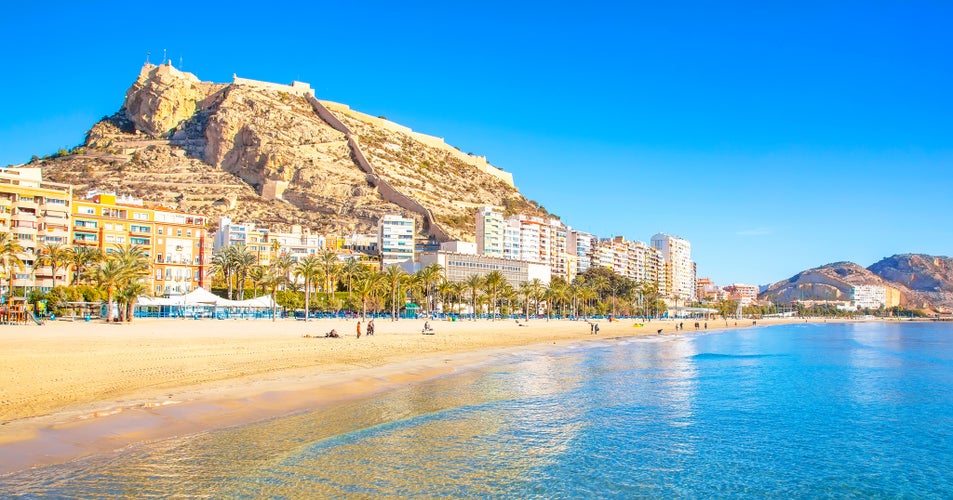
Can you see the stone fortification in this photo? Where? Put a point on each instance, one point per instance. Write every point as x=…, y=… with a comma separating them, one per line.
x=478, y=162
x=297, y=88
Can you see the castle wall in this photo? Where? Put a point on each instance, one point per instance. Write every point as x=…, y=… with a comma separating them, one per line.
x=297, y=88
x=478, y=162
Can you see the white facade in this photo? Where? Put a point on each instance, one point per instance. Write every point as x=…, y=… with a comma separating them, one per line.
x=395, y=239
x=490, y=232
x=458, y=267
x=464, y=247
x=869, y=296
x=581, y=245
x=679, y=269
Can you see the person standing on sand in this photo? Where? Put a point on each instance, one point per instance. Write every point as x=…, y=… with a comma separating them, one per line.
x=370, y=328
x=358, y=328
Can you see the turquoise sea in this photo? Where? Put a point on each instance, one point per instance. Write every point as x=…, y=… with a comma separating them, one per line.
x=808, y=410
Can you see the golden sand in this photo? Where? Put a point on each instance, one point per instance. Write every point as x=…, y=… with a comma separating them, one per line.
x=100, y=386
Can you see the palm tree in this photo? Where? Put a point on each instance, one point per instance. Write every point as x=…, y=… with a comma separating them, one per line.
x=330, y=267
x=10, y=250
x=368, y=285
x=492, y=283
x=473, y=283
x=274, y=278
x=556, y=295
x=309, y=268
x=83, y=258
x=536, y=291
x=110, y=275
x=257, y=276
x=586, y=294
x=222, y=264
x=429, y=277
x=136, y=266
x=242, y=262
x=128, y=295
x=54, y=255
x=351, y=269
x=394, y=277
x=446, y=291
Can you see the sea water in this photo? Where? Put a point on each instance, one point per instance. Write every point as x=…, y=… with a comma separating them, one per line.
x=861, y=410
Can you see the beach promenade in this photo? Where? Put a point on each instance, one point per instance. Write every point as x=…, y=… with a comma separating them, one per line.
x=75, y=388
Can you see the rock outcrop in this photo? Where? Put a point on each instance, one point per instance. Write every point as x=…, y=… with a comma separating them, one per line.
x=929, y=278
x=260, y=152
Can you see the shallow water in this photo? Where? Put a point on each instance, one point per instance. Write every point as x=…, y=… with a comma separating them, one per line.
x=840, y=410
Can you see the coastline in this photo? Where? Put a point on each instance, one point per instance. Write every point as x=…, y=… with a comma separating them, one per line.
x=77, y=389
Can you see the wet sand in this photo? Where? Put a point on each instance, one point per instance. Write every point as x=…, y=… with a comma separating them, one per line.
x=72, y=389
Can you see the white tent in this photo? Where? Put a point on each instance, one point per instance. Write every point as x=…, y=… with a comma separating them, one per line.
x=200, y=300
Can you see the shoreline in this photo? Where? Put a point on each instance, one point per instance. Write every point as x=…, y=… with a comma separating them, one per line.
x=90, y=388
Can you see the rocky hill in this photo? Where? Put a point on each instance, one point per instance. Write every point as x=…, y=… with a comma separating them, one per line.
x=929, y=278
x=273, y=154
x=924, y=281
x=829, y=282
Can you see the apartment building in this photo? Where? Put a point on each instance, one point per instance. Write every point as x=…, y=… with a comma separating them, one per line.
x=37, y=213
x=395, y=239
x=679, y=269
x=175, y=242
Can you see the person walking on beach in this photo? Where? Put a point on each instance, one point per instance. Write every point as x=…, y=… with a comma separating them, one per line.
x=595, y=329
x=370, y=328
x=358, y=328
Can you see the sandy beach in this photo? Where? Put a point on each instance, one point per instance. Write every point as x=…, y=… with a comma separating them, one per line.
x=75, y=388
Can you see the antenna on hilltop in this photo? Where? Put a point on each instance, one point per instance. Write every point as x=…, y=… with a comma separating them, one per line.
x=163, y=56
x=147, y=56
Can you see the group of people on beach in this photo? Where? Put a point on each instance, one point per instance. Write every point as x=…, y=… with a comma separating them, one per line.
x=370, y=328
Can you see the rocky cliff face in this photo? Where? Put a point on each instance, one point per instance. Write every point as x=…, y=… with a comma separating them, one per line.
x=929, y=278
x=261, y=154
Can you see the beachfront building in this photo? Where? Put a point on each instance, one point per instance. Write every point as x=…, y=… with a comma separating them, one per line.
x=581, y=245
x=183, y=251
x=490, y=233
x=175, y=242
x=395, y=239
x=741, y=293
x=460, y=266
x=679, y=269
x=868, y=296
x=707, y=291
x=267, y=243
x=36, y=213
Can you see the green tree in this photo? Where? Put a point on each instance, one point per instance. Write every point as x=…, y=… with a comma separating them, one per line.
x=308, y=268
x=330, y=268
x=473, y=284
x=55, y=255
x=366, y=287
x=10, y=250
x=492, y=283
x=394, y=278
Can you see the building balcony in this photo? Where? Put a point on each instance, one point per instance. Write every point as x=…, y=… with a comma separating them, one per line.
x=27, y=203
x=25, y=216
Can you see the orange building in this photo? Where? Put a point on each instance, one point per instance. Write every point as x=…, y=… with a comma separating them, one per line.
x=175, y=242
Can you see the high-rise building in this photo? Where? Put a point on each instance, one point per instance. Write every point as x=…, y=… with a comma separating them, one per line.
x=490, y=232
x=679, y=268
x=395, y=239
x=582, y=245
x=35, y=213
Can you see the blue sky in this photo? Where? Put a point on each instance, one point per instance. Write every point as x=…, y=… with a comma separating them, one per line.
x=773, y=137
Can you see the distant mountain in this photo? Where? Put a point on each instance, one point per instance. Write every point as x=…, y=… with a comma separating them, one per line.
x=924, y=281
x=929, y=278
x=273, y=154
x=829, y=282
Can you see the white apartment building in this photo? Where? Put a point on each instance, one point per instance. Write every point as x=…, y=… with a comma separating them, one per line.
x=582, y=245
x=395, y=239
x=869, y=296
x=744, y=294
x=490, y=235
x=679, y=268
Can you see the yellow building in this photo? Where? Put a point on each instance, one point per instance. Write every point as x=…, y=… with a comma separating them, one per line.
x=37, y=213
x=176, y=242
